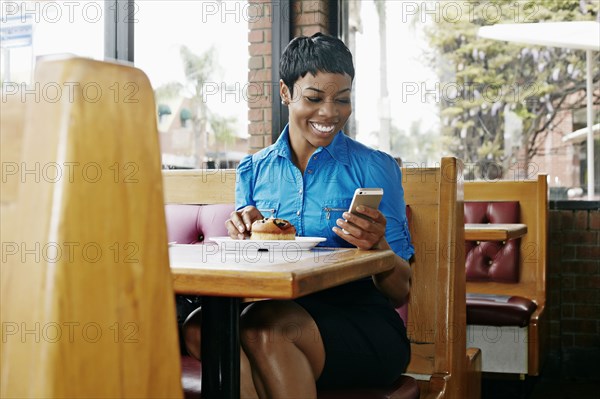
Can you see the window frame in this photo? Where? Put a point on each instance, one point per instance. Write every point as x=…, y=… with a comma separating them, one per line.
x=119, y=30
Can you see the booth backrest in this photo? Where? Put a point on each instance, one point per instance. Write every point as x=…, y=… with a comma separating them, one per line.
x=199, y=186
x=436, y=308
x=532, y=196
x=533, y=211
x=11, y=141
x=87, y=305
x=197, y=203
x=492, y=260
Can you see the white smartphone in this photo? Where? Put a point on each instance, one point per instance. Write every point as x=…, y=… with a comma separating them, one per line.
x=370, y=197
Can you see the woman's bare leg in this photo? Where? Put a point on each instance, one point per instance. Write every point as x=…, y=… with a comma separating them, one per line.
x=248, y=386
x=284, y=347
x=191, y=334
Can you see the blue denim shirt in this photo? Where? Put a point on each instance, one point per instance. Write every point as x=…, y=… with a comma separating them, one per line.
x=314, y=201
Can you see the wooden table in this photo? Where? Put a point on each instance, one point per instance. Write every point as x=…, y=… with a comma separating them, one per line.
x=225, y=275
x=494, y=231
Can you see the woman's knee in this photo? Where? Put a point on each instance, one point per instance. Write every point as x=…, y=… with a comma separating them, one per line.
x=256, y=325
x=267, y=323
x=276, y=330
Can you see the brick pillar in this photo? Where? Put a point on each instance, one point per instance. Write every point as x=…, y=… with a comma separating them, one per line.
x=309, y=17
x=306, y=17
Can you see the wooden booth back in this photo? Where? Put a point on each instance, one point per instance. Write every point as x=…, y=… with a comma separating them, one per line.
x=87, y=305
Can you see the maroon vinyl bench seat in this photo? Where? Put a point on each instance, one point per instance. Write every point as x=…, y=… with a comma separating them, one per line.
x=442, y=368
x=195, y=224
x=405, y=387
x=506, y=279
x=191, y=370
x=495, y=261
x=499, y=310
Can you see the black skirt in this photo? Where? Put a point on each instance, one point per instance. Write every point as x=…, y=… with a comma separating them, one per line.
x=365, y=339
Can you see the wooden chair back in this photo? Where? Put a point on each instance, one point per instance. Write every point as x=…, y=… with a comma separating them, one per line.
x=11, y=141
x=87, y=305
x=437, y=308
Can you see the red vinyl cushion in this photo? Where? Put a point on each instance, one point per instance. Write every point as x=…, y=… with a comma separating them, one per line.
x=499, y=310
x=492, y=212
x=492, y=260
x=185, y=224
x=405, y=387
x=191, y=379
x=192, y=224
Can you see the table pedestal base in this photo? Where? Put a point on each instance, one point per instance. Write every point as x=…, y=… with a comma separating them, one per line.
x=220, y=344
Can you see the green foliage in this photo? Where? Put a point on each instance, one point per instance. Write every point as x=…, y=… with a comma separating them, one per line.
x=533, y=82
x=199, y=69
x=168, y=91
x=416, y=143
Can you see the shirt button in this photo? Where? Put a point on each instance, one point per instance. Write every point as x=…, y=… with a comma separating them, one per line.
x=298, y=213
x=315, y=157
x=309, y=171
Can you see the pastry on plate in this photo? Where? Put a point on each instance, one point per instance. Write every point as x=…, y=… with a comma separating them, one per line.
x=272, y=229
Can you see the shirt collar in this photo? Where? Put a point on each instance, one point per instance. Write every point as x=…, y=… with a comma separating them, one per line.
x=282, y=145
x=338, y=148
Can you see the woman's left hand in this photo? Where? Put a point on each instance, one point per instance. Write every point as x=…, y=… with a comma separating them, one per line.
x=363, y=233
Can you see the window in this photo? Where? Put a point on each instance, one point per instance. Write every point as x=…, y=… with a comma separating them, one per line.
x=394, y=88
x=196, y=56
x=32, y=29
x=440, y=89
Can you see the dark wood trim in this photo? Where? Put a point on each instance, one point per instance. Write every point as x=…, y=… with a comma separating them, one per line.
x=344, y=34
x=333, y=18
x=280, y=37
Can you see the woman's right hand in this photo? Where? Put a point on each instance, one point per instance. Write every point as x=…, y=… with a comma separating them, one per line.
x=240, y=222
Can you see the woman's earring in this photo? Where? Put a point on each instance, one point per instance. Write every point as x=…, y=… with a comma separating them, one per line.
x=284, y=102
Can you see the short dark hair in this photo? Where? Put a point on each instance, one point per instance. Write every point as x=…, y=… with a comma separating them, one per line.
x=318, y=53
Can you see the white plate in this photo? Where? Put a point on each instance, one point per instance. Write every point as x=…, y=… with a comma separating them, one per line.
x=300, y=243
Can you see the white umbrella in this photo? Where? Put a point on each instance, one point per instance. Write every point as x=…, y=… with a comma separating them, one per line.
x=580, y=135
x=580, y=35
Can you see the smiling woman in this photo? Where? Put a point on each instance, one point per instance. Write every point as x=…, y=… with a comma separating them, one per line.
x=315, y=85
x=308, y=178
x=319, y=109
